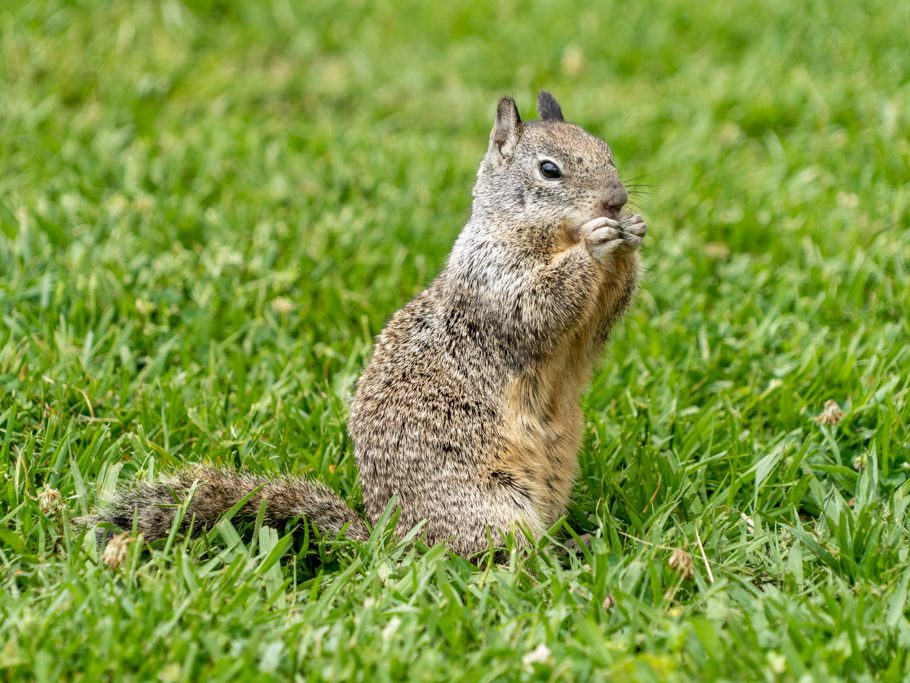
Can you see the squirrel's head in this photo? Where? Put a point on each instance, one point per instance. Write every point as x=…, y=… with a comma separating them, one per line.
x=546, y=172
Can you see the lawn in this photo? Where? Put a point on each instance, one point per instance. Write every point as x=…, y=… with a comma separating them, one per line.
x=208, y=210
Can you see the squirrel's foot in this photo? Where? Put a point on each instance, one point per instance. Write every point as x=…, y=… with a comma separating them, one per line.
x=604, y=236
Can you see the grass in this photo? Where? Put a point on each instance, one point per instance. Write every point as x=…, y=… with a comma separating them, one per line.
x=208, y=210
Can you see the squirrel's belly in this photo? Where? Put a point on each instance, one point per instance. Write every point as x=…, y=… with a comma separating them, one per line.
x=541, y=450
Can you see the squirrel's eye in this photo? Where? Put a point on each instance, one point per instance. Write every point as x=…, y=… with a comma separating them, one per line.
x=549, y=170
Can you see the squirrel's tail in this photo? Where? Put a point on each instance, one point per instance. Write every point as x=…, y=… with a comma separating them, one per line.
x=155, y=504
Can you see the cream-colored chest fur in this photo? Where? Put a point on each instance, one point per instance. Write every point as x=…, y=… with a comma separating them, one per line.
x=544, y=428
x=542, y=408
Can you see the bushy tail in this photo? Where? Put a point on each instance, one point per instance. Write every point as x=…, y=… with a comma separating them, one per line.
x=155, y=504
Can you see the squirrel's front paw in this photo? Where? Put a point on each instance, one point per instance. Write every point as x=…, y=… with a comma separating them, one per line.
x=603, y=235
x=635, y=229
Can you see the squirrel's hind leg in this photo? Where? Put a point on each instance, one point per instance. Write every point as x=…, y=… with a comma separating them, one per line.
x=483, y=527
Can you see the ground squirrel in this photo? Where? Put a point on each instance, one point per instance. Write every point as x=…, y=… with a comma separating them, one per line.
x=469, y=411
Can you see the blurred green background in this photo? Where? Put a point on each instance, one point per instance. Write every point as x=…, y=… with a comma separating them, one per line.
x=208, y=210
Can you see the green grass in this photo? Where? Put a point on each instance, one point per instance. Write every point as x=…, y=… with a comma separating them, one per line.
x=207, y=212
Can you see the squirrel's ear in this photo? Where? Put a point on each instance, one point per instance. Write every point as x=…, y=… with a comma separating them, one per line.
x=506, y=130
x=548, y=108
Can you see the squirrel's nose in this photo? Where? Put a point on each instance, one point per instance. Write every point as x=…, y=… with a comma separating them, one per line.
x=615, y=197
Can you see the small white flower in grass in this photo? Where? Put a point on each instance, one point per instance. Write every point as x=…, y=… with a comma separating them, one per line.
x=144, y=203
x=848, y=200
x=117, y=204
x=729, y=133
x=50, y=501
x=170, y=672
x=539, y=655
x=717, y=250
x=573, y=60
x=681, y=562
x=144, y=307
x=282, y=305
x=776, y=662
x=750, y=524
x=831, y=415
x=116, y=549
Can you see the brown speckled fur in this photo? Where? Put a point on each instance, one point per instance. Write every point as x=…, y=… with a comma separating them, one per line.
x=469, y=411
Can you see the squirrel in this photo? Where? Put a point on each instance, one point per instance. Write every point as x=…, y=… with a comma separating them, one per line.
x=469, y=412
